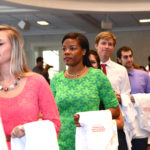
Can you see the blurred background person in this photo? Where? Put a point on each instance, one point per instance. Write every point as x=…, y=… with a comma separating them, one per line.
x=23, y=94
x=135, y=65
x=94, y=59
x=80, y=88
x=142, y=68
x=148, y=66
x=42, y=70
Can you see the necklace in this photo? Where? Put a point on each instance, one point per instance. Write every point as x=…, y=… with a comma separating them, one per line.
x=75, y=75
x=11, y=87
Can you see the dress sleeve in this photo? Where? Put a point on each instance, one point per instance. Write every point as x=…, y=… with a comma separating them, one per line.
x=48, y=106
x=107, y=94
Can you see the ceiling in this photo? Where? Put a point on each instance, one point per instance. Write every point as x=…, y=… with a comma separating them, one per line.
x=75, y=15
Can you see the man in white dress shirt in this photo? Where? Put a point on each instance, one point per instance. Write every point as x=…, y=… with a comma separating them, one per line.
x=148, y=66
x=117, y=74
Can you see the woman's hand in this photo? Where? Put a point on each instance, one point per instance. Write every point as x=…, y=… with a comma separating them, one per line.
x=76, y=120
x=18, y=132
x=115, y=112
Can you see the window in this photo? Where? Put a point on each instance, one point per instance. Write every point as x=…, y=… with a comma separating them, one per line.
x=51, y=57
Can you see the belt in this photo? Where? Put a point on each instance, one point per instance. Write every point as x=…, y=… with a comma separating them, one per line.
x=8, y=138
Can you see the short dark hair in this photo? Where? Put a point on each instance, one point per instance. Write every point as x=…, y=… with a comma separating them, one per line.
x=39, y=59
x=83, y=42
x=123, y=49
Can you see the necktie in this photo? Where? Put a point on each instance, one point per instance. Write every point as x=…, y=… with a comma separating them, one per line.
x=104, y=68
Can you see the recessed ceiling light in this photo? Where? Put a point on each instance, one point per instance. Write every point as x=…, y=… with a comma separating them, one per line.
x=43, y=23
x=144, y=20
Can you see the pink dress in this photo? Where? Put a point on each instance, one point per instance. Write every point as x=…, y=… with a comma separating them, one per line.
x=36, y=97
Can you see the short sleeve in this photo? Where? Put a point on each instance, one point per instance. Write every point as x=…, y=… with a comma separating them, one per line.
x=106, y=92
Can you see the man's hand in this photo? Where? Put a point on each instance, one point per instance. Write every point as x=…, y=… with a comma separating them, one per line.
x=132, y=99
x=47, y=66
x=45, y=71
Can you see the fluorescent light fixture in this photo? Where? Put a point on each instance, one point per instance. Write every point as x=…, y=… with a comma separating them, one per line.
x=43, y=23
x=144, y=20
x=7, y=9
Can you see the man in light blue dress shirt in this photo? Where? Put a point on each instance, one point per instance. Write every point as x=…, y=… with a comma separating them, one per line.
x=140, y=83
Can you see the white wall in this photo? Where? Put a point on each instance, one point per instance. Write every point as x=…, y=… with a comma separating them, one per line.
x=139, y=41
x=38, y=43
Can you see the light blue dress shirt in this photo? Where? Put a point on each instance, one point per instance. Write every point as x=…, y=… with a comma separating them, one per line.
x=140, y=81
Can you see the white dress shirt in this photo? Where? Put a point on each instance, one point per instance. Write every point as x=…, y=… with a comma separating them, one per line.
x=147, y=69
x=118, y=77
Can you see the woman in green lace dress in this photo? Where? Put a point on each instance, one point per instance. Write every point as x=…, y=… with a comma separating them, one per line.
x=80, y=88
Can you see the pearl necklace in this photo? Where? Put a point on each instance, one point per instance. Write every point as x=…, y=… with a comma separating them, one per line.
x=76, y=75
x=11, y=87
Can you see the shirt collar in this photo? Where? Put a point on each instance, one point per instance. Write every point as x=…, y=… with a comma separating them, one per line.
x=131, y=72
x=107, y=62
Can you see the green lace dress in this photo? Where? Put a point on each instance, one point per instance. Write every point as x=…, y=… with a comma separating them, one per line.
x=79, y=95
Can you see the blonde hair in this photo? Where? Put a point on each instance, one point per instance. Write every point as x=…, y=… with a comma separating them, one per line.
x=107, y=36
x=18, y=63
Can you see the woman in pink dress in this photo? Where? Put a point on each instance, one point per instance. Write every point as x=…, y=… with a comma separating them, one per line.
x=23, y=94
